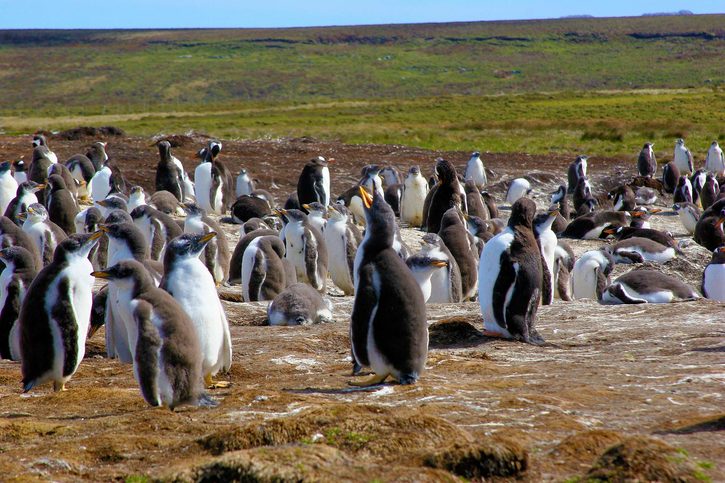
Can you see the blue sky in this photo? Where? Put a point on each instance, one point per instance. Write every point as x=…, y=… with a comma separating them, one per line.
x=290, y=13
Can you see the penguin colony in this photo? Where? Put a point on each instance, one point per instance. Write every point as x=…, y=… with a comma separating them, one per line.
x=66, y=223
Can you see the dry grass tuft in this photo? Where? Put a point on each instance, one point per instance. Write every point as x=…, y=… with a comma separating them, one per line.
x=453, y=331
x=482, y=460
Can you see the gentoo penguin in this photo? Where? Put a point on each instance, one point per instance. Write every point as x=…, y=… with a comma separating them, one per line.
x=342, y=238
x=510, y=278
x=293, y=203
x=38, y=170
x=475, y=171
x=263, y=274
x=560, y=202
x=709, y=192
x=165, y=202
x=478, y=228
x=46, y=234
x=24, y=197
x=454, y=234
x=391, y=176
x=683, y=157
x=39, y=141
x=415, y=187
x=247, y=206
x=689, y=214
x=55, y=315
x=683, y=191
x=661, y=237
x=316, y=215
x=168, y=175
x=12, y=235
x=518, y=188
x=215, y=255
x=97, y=154
x=577, y=169
x=547, y=242
x=110, y=205
x=62, y=208
x=474, y=201
x=388, y=330
x=590, y=275
x=158, y=229
x=108, y=179
x=210, y=154
x=564, y=260
x=448, y=192
x=393, y=193
x=713, y=278
x=670, y=177
x=299, y=304
x=265, y=196
x=592, y=226
x=314, y=182
x=588, y=207
x=715, y=160
x=582, y=193
x=89, y=221
x=623, y=198
x=209, y=185
x=167, y=362
x=136, y=198
x=639, y=250
x=70, y=183
x=709, y=229
x=15, y=280
x=306, y=249
x=647, y=286
x=82, y=170
x=440, y=282
x=244, y=184
x=20, y=171
x=490, y=204
x=644, y=195
x=199, y=300
x=8, y=186
x=641, y=217
x=423, y=268
x=646, y=163
x=697, y=181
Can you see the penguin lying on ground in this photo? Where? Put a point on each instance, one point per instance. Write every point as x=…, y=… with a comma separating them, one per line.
x=299, y=304
x=590, y=275
x=639, y=250
x=647, y=286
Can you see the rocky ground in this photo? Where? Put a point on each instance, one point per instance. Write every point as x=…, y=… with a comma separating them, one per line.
x=618, y=392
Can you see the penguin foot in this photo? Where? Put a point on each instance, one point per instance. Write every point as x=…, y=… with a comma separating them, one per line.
x=211, y=384
x=490, y=333
x=373, y=380
x=59, y=386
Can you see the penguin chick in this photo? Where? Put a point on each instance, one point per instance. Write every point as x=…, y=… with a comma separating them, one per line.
x=415, y=189
x=25, y=196
x=15, y=280
x=306, y=249
x=46, y=234
x=342, y=238
x=590, y=275
x=263, y=271
x=647, y=286
x=713, y=278
x=299, y=304
x=689, y=214
x=216, y=253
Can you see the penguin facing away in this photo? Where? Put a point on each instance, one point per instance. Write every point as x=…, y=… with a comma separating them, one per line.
x=670, y=177
x=715, y=159
x=263, y=273
x=62, y=208
x=299, y=304
x=646, y=163
x=577, y=169
x=388, y=330
x=518, y=188
x=454, y=234
x=15, y=279
x=215, y=255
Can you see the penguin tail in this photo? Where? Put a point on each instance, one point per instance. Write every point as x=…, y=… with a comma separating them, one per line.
x=206, y=401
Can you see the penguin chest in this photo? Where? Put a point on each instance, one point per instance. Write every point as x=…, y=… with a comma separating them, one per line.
x=120, y=300
x=713, y=282
x=101, y=184
x=412, y=200
x=295, y=242
x=202, y=185
x=336, y=241
x=475, y=172
x=326, y=185
x=489, y=269
x=243, y=185
x=253, y=261
x=584, y=279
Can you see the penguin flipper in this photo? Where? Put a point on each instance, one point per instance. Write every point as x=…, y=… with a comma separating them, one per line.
x=366, y=300
x=523, y=304
x=311, y=260
x=505, y=282
x=547, y=291
x=319, y=190
x=146, y=363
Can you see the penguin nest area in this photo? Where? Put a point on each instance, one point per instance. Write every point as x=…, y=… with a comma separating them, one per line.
x=620, y=392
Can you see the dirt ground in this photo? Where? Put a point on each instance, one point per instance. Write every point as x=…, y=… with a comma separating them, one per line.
x=618, y=392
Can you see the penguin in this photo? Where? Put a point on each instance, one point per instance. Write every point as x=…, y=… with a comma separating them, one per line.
x=518, y=188
x=641, y=217
x=442, y=285
x=316, y=215
x=670, y=177
x=588, y=207
x=564, y=260
x=546, y=239
x=715, y=160
x=12, y=235
x=210, y=154
x=709, y=192
x=661, y=237
x=448, y=192
x=474, y=201
x=158, y=228
x=136, y=198
x=45, y=234
x=697, y=181
x=199, y=300
x=112, y=204
x=235, y=264
x=82, y=170
x=97, y=154
x=265, y=196
x=683, y=191
x=263, y=274
x=590, y=275
x=682, y=158
x=510, y=278
x=592, y=226
x=62, y=208
x=244, y=184
x=490, y=204
x=689, y=214
x=314, y=182
x=560, y=203
x=168, y=175
x=55, y=315
x=582, y=193
x=393, y=193
x=415, y=189
x=306, y=249
x=454, y=234
x=475, y=170
x=342, y=238
x=645, y=196
x=391, y=176
x=577, y=169
x=165, y=202
x=105, y=181
x=8, y=186
x=70, y=183
x=423, y=269
x=646, y=163
x=299, y=304
x=25, y=196
x=20, y=171
x=247, y=206
x=388, y=329
x=15, y=280
x=623, y=198
x=40, y=142
x=168, y=357
x=215, y=255
x=647, y=286
x=478, y=228
x=89, y=221
x=713, y=278
x=709, y=229
x=639, y=250
x=38, y=170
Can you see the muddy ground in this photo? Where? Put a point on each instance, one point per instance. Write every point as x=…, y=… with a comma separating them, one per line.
x=619, y=392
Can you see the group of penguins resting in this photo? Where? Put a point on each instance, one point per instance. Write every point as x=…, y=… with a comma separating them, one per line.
x=161, y=309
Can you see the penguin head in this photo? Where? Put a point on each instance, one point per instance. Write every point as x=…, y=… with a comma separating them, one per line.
x=164, y=149
x=193, y=210
x=39, y=140
x=315, y=208
x=379, y=217
x=19, y=165
x=76, y=245
x=680, y=142
x=36, y=213
x=445, y=171
x=559, y=194
x=215, y=147
x=5, y=167
x=425, y=263
x=112, y=203
x=243, y=172
x=55, y=183
x=476, y=154
x=92, y=219
x=189, y=245
x=522, y=213
x=130, y=273
x=338, y=212
x=452, y=216
x=543, y=221
x=116, y=216
x=414, y=171
x=294, y=216
x=718, y=255
x=137, y=192
x=476, y=225
x=97, y=150
x=17, y=258
x=714, y=144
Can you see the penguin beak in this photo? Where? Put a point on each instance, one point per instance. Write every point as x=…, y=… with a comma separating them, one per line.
x=97, y=234
x=101, y=274
x=367, y=198
x=438, y=263
x=554, y=212
x=655, y=210
x=720, y=221
x=636, y=214
x=281, y=212
x=102, y=229
x=207, y=237
x=40, y=187
x=306, y=206
x=22, y=216
x=102, y=203
x=610, y=231
x=720, y=249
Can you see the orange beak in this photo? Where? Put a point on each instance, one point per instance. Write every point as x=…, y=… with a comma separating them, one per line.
x=367, y=198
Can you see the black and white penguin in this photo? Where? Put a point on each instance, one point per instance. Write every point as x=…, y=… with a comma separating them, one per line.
x=478, y=228
x=263, y=273
x=393, y=193
x=20, y=171
x=305, y=247
x=577, y=169
x=391, y=176
x=713, y=278
x=110, y=204
x=448, y=192
x=25, y=196
x=519, y=188
x=40, y=141
x=474, y=201
x=641, y=217
x=158, y=229
x=89, y=221
x=645, y=195
x=590, y=275
x=683, y=157
x=423, y=269
x=640, y=250
x=38, y=170
x=316, y=215
x=709, y=192
x=244, y=184
x=564, y=260
x=199, y=300
x=715, y=160
x=97, y=154
x=342, y=238
x=82, y=170
x=582, y=193
x=510, y=278
x=592, y=226
x=299, y=304
x=46, y=234
x=168, y=175
x=647, y=286
x=15, y=280
x=709, y=229
x=548, y=243
x=670, y=177
x=388, y=330
x=683, y=191
x=167, y=363
x=107, y=179
x=440, y=282
x=689, y=214
x=136, y=198
x=646, y=163
x=247, y=206
x=697, y=181
x=475, y=170
x=62, y=208
x=659, y=236
x=623, y=198
x=490, y=204
x=8, y=186
x=459, y=242
x=215, y=254
x=415, y=188
x=55, y=315
x=247, y=234
x=314, y=182
x=11, y=235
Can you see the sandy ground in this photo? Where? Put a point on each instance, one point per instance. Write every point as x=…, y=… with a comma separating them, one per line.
x=543, y=413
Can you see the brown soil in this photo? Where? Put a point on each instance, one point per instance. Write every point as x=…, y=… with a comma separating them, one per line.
x=585, y=405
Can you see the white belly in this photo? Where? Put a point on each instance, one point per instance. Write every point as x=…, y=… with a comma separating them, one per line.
x=335, y=240
x=658, y=257
x=423, y=277
x=714, y=282
x=202, y=186
x=412, y=201
x=584, y=279
x=99, y=186
x=243, y=186
x=295, y=250
x=488, y=271
x=659, y=297
x=475, y=172
x=8, y=188
x=248, y=260
x=326, y=185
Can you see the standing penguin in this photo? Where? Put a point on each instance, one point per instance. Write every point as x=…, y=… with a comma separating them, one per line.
x=215, y=253
x=263, y=272
x=15, y=280
x=199, y=300
x=388, y=330
x=709, y=192
x=342, y=238
x=82, y=170
x=689, y=214
x=244, y=184
x=446, y=193
x=510, y=278
x=697, y=180
x=55, y=315
x=715, y=160
x=97, y=154
x=38, y=170
x=475, y=171
x=683, y=157
x=136, y=198
x=46, y=234
x=683, y=191
x=306, y=249
x=548, y=244
x=12, y=235
x=577, y=169
x=39, y=141
x=107, y=179
x=316, y=215
x=209, y=185
x=623, y=198
x=24, y=197
x=436, y=271
x=168, y=175
x=518, y=188
x=713, y=278
x=167, y=362
x=670, y=175
x=646, y=163
x=314, y=182
x=415, y=188
x=8, y=186
x=62, y=208
x=20, y=171
x=459, y=242
x=158, y=229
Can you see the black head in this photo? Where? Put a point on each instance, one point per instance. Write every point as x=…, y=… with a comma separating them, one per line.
x=56, y=183
x=445, y=171
x=18, y=258
x=39, y=140
x=117, y=216
x=476, y=154
x=137, y=190
x=522, y=213
x=718, y=255
x=19, y=166
x=114, y=203
x=93, y=219
x=380, y=219
x=318, y=161
x=293, y=216
x=414, y=170
x=188, y=245
x=141, y=211
x=422, y=262
x=193, y=210
x=130, y=271
x=476, y=226
x=315, y=206
x=164, y=150
x=215, y=147
x=76, y=245
x=5, y=166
